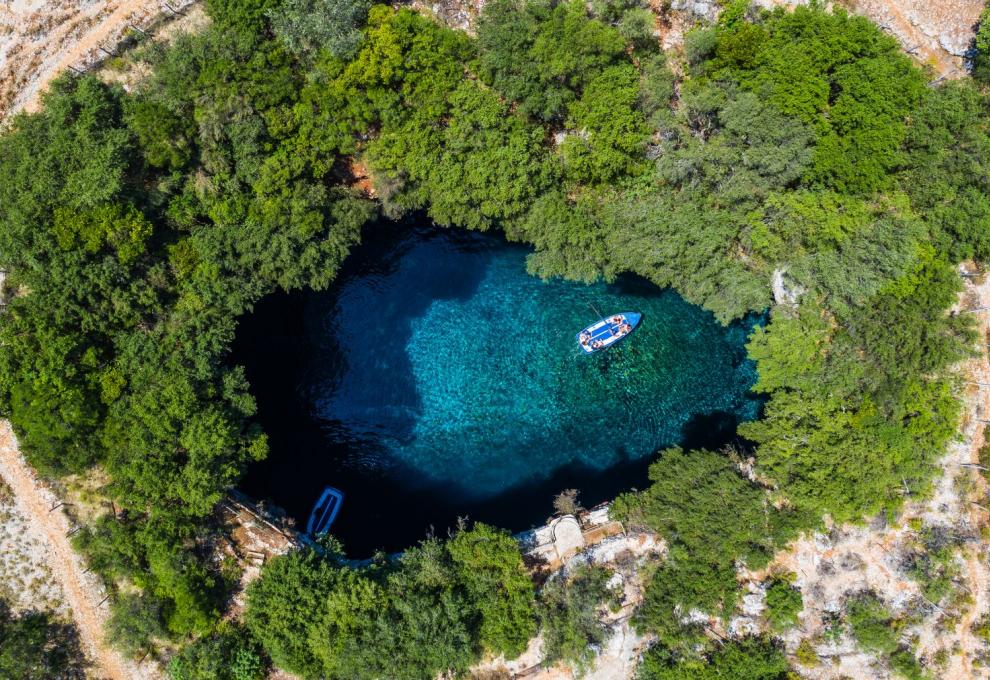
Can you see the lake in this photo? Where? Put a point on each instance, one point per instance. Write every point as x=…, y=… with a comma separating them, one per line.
x=436, y=379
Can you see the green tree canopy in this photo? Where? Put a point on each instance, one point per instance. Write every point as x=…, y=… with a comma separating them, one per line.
x=746, y=659
x=34, y=646
x=432, y=610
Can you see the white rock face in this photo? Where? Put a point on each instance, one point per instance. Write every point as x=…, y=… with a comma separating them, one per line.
x=705, y=9
x=785, y=292
x=954, y=43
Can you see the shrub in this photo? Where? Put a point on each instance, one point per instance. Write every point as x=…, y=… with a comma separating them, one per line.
x=783, y=603
x=569, y=613
x=134, y=624
x=806, y=654
x=933, y=564
x=228, y=654
x=746, y=659
x=904, y=663
x=307, y=26
x=872, y=625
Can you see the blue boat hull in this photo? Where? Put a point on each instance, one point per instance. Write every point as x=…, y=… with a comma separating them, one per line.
x=605, y=332
x=324, y=511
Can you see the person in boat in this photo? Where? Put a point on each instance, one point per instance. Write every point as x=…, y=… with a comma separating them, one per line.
x=617, y=319
x=597, y=344
x=585, y=337
x=626, y=328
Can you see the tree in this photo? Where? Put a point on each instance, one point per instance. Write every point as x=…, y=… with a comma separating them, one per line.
x=783, y=603
x=656, y=88
x=228, y=654
x=245, y=19
x=746, y=659
x=483, y=167
x=543, y=57
x=135, y=622
x=569, y=237
x=566, y=502
x=165, y=136
x=735, y=145
x=847, y=448
x=981, y=62
x=490, y=566
x=610, y=133
x=310, y=25
x=432, y=611
x=808, y=61
x=428, y=628
x=57, y=169
x=570, y=617
x=946, y=150
x=711, y=516
x=290, y=596
x=138, y=226
x=34, y=646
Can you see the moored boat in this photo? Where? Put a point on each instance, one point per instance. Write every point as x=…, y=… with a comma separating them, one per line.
x=607, y=331
x=324, y=511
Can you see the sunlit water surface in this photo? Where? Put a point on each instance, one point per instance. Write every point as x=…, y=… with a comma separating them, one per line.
x=436, y=379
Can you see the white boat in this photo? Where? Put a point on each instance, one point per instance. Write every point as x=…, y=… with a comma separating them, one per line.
x=607, y=331
x=324, y=511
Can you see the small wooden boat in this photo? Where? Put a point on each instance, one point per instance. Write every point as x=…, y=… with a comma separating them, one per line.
x=324, y=511
x=607, y=331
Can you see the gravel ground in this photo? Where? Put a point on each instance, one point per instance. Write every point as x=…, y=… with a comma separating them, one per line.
x=40, y=39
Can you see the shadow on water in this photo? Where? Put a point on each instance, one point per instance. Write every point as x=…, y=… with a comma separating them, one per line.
x=352, y=392
x=349, y=314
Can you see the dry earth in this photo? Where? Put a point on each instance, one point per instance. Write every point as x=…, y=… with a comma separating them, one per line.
x=26, y=580
x=40, y=39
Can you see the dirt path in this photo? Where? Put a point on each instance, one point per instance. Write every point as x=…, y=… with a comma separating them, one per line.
x=106, y=28
x=40, y=39
x=977, y=409
x=82, y=592
x=973, y=576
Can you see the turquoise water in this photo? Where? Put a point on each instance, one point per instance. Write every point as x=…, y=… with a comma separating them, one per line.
x=440, y=374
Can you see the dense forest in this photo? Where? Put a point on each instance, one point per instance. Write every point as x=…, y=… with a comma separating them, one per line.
x=802, y=146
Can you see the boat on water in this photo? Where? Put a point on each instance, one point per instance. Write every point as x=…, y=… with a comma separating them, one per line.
x=324, y=511
x=607, y=331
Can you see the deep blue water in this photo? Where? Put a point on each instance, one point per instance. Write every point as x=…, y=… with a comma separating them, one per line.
x=437, y=379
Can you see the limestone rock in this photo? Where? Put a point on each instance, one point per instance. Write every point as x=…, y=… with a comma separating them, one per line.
x=704, y=9
x=785, y=292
